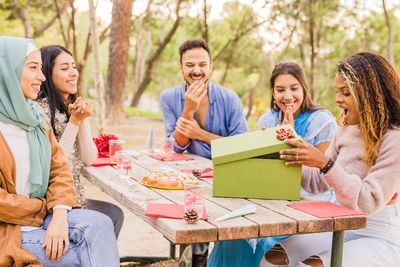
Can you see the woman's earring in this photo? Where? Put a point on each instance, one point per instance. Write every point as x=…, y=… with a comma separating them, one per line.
x=275, y=105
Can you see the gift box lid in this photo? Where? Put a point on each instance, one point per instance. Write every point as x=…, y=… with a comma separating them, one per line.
x=251, y=144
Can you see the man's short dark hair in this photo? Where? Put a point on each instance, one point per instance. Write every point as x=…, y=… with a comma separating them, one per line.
x=191, y=44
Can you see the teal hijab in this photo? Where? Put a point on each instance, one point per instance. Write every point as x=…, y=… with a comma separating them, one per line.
x=17, y=110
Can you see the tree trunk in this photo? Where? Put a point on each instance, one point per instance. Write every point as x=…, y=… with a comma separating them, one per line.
x=205, y=23
x=390, y=34
x=88, y=50
x=60, y=21
x=228, y=64
x=312, y=46
x=250, y=95
x=118, y=58
x=152, y=60
x=73, y=32
x=140, y=60
x=98, y=77
x=23, y=15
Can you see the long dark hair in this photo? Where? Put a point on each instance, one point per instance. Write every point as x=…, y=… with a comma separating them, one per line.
x=375, y=86
x=294, y=69
x=48, y=90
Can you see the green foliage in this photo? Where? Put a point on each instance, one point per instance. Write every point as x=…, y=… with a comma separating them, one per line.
x=341, y=28
x=36, y=7
x=131, y=111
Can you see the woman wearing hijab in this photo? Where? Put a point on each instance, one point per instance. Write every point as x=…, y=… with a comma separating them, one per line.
x=37, y=223
x=68, y=116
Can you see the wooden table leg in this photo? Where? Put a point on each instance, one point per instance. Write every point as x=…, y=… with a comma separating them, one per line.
x=337, y=248
x=171, y=250
x=185, y=255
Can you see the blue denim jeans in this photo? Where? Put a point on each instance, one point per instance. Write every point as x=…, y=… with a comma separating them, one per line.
x=200, y=248
x=92, y=241
x=113, y=211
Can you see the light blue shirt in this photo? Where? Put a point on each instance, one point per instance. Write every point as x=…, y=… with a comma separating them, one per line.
x=315, y=127
x=224, y=117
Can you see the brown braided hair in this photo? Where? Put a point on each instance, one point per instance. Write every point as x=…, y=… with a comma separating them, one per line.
x=375, y=86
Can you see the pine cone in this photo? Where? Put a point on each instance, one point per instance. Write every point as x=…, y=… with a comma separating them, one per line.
x=196, y=173
x=191, y=216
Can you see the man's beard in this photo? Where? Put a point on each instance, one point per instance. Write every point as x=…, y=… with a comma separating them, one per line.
x=191, y=76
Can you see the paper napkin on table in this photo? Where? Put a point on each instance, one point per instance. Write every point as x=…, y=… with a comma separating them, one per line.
x=324, y=209
x=163, y=210
x=171, y=157
x=103, y=162
x=207, y=174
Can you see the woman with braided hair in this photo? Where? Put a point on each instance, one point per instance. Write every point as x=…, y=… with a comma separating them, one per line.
x=362, y=166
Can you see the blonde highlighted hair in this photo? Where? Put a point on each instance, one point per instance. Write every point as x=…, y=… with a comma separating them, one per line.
x=375, y=86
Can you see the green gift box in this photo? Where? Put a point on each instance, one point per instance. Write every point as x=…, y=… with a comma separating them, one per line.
x=248, y=166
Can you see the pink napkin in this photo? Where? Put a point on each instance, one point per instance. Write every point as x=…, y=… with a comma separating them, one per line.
x=324, y=209
x=171, y=157
x=207, y=174
x=103, y=162
x=163, y=210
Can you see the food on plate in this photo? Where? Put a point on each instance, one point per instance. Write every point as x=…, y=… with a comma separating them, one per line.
x=166, y=179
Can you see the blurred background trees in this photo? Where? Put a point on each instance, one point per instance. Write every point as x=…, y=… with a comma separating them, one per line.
x=247, y=38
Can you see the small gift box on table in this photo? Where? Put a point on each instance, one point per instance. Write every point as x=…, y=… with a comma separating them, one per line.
x=249, y=165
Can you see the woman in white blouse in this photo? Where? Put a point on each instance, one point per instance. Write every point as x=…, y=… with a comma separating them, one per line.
x=68, y=116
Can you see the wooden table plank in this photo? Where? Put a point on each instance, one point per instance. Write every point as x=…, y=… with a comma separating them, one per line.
x=269, y=222
x=106, y=179
x=272, y=218
x=198, y=163
x=305, y=223
x=238, y=228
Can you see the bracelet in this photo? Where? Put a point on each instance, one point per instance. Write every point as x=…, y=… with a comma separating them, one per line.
x=327, y=167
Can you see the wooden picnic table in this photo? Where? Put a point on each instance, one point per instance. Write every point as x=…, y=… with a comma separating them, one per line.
x=272, y=218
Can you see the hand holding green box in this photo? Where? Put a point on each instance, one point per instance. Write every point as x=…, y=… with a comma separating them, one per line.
x=248, y=166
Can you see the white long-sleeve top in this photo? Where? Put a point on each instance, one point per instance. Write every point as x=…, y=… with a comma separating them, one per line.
x=81, y=134
x=357, y=187
x=18, y=143
x=75, y=141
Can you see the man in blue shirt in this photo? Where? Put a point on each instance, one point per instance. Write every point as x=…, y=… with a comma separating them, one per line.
x=198, y=111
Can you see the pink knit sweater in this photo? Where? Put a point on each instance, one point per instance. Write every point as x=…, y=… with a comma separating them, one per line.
x=355, y=186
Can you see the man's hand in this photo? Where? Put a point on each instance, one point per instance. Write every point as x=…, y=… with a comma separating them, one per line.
x=57, y=236
x=193, y=96
x=288, y=117
x=189, y=128
x=192, y=130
